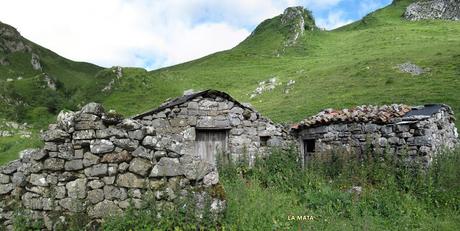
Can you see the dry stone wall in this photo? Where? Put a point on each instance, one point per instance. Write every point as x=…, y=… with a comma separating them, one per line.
x=99, y=164
x=419, y=139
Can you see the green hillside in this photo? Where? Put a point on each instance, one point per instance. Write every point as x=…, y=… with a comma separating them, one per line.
x=35, y=94
x=310, y=69
x=26, y=92
x=352, y=65
x=348, y=66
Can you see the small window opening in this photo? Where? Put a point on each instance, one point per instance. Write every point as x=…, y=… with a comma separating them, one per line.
x=264, y=141
x=309, y=146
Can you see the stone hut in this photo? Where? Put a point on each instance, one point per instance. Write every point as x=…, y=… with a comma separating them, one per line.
x=99, y=163
x=419, y=132
x=211, y=124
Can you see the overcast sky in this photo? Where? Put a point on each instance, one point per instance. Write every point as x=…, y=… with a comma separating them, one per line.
x=158, y=33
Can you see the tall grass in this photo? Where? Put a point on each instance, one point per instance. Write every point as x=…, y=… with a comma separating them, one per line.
x=344, y=192
x=335, y=192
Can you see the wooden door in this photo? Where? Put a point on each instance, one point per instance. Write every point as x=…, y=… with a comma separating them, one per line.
x=210, y=144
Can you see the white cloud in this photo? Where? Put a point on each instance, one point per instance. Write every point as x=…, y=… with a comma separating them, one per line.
x=319, y=4
x=370, y=5
x=333, y=20
x=144, y=33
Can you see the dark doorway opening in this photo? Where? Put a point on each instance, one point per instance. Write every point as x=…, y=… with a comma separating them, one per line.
x=308, y=149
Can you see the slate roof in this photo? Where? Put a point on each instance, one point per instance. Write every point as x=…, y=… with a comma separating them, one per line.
x=426, y=110
x=187, y=98
x=368, y=113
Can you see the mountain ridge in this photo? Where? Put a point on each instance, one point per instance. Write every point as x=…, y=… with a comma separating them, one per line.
x=357, y=64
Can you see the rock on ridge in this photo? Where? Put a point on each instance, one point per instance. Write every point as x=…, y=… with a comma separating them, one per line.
x=298, y=19
x=11, y=40
x=433, y=9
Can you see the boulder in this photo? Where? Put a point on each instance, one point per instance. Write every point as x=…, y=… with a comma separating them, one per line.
x=95, y=184
x=76, y=188
x=211, y=178
x=104, y=209
x=119, y=157
x=38, y=180
x=66, y=120
x=6, y=188
x=93, y=108
x=101, y=146
x=140, y=166
x=127, y=144
x=167, y=167
x=32, y=154
x=90, y=159
x=111, y=192
x=109, y=132
x=96, y=170
x=130, y=180
x=84, y=135
x=150, y=141
x=73, y=165
x=95, y=196
x=4, y=179
x=143, y=152
x=54, y=135
x=71, y=204
x=54, y=164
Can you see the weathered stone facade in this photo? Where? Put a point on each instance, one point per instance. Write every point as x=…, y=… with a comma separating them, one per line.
x=419, y=133
x=249, y=134
x=100, y=164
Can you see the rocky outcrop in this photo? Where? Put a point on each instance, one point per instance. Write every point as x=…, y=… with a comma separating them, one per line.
x=50, y=83
x=270, y=85
x=433, y=9
x=412, y=69
x=118, y=72
x=35, y=61
x=11, y=40
x=297, y=20
x=11, y=128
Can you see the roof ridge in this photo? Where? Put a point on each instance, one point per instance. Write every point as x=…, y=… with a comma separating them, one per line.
x=185, y=98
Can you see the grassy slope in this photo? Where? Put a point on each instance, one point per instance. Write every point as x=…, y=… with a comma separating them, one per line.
x=349, y=66
x=74, y=81
x=77, y=82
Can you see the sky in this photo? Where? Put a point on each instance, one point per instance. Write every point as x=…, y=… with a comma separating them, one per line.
x=158, y=33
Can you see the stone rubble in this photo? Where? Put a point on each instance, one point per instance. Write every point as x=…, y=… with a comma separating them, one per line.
x=264, y=86
x=271, y=84
x=412, y=69
x=11, y=128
